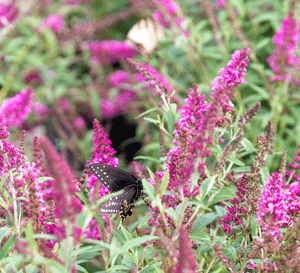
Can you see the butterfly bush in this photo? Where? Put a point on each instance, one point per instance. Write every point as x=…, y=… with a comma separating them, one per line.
x=285, y=61
x=34, y=203
x=194, y=133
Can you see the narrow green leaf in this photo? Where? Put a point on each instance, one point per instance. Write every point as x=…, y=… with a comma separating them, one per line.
x=149, y=189
x=4, y=232
x=147, y=112
x=152, y=121
x=29, y=235
x=135, y=242
x=143, y=221
x=116, y=268
x=140, y=157
x=172, y=213
x=43, y=179
x=8, y=246
x=164, y=182
x=205, y=187
x=95, y=103
x=264, y=93
x=4, y=179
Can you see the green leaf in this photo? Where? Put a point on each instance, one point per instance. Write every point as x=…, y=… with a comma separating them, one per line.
x=248, y=145
x=4, y=179
x=221, y=211
x=140, y=157
x=225, y=193
x=204, y=220
x=172, y=213
x=95, y=99
x=126, y=234
x=4, y=232
x=29, y=235
x=205, y=187
x=264, y=93
x=79, y=268
x=8, y=246
x=149, y=189
x=143, y=221
x=200, y=236
x=135, y=242
x=264, y=174
x=235, y=161
x=253, y=225
x=165, y=181
x=116, y=268
x=147, y=112
x=155, y=121
x=43, y=179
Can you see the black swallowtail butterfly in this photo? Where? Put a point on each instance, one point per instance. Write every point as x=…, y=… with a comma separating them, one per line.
x=116, y=179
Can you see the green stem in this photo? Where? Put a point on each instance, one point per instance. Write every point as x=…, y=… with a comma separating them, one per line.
x=15, y=65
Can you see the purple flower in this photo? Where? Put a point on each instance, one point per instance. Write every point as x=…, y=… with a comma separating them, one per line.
x=108, y=109
x=104, y=52
x=102, y=153
x=123, y=100
x=40, y=110
x=67, y=204
x=168, y=15
x=119, y=77
x=8, y=12
x=10, y=157
x=32, y=76
x=237, y=210
x=284, y=61
x=54, y=22
x=234, y=73
x=79, y=126
x=15, y=110
x=186, y=258
x=278, y=206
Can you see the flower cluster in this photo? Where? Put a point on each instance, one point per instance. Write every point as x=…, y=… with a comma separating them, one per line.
x=8, y=12
x=15, y=110
x=54, y=22
x=278, y=207
x=284, y=61
x=104, y=52
x=102, y=153
x=168, y=15
x=237, y=210
x=120, y=105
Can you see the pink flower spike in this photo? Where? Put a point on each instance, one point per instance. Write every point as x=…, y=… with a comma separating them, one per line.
x=54, y=22
x=15, y=110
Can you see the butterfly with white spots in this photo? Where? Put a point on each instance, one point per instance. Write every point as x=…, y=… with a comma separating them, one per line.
x=116, y=179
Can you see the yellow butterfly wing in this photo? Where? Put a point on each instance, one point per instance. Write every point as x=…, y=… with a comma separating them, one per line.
x=145, y=34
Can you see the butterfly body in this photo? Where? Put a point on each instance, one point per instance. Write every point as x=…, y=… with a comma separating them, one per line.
x=116, y=179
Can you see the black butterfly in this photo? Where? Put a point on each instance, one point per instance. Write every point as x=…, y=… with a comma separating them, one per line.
x=116, y=179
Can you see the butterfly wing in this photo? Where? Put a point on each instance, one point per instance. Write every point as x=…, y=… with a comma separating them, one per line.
x=145, y=34
x=122, y=203
x=112, y=178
